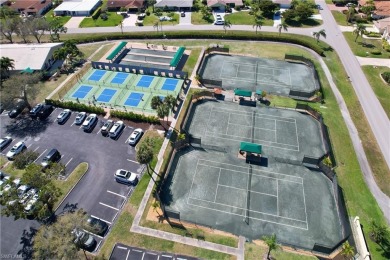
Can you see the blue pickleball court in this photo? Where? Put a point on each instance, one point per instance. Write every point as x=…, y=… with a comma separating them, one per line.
x=119, y=78
x=145, y=81
x=97, y=75
x=170, y=84
x=133, y=99
x=106, y=95
x=82, y=91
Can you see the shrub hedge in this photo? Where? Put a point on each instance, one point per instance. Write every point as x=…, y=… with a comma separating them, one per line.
x=231, y=35
x=376, y=52
x=386, y=76
x=76, y=106
x=96, y=14
x=134, y=117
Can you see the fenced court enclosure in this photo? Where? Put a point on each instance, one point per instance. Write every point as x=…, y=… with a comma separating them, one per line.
x=220, y=191
x=122, y=89
x=282, y=133
x=249, y=73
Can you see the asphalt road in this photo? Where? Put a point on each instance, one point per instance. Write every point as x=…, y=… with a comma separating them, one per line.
x=123, y=252
x=98, y=193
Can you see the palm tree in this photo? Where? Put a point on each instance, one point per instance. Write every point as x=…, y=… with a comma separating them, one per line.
x=155, y=206
x=6, y=64
x=163, y=111
x=318, y=34
x=226, y=24
x=145, y=156
x=283, y=26
x=170, y=101
x=121, y=26
x=350, y=12
x=359, y=30
x=378, y=232
x=347, y=250
x=271, y=243
x=258, y=23
x=155, y=25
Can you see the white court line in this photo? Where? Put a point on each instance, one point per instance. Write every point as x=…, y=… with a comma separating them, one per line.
x=108, y=206
x=216, y=189
x=296, y=134
x=276, y=173
x=68, y=161
x=40, y=155
x=304, y=203
x=250, y=126
x=231, y=213
x=36, y=148
x=193, y=178
x=121, y=247
x=252, y=65
x=128, y=252
x=241, y=112
x=238, y=67
x=117, y=194
x=277, y=198
x=289, y=76
x=235, y=188
x=208, y=120
x=108, y=222
x=133, y=161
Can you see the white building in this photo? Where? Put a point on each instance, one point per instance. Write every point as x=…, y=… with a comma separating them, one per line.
x=36, y=56
x=77, y=7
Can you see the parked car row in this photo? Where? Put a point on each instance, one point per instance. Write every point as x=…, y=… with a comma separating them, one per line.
x=40, y=111
x=26, y=195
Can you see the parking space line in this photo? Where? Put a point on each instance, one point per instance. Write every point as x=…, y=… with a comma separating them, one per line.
x=72, y=124
x=93, y=235
x=128, y=252
x=139, y=251
x=108, y=206
x=68, y=162
x=133, y=161
x=167, y=256
x=81, y=126
x=108, y=222
x=98, y=245
x=143, y=255
x=40, y=155
x=120, y=195
x=128, y=194
x=121, y=247
x=28, y=146
x=115, y=216
x=36, y=148
x=99, y=131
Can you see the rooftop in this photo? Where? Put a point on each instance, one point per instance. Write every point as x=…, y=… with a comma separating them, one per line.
x=28, y=5
x=177, y=3
x=125, y=3
x=76, y=5
x=224, y=2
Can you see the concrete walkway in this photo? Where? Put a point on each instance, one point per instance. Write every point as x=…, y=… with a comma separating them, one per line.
x=74, y=22
x=373, y=61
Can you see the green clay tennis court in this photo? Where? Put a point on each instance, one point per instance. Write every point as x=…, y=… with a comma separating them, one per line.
x=122, y=89
x=249, y=73
x=282, y=133
x=220, y=191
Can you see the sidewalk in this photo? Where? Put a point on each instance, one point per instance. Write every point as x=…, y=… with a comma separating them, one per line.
x=74, y=22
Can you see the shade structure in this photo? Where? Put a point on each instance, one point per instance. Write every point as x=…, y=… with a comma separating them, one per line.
x=250, y=147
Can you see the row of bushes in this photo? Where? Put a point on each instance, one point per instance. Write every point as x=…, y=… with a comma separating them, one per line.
x=386, y=76
x=76, y=106
x=96, y=14
x=385, y=45
x=135, y=117
x=372, y=34
x=231, y=35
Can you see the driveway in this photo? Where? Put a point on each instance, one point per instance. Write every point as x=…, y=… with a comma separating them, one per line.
x=130, y=20
x=74, y=22
x=186, y=20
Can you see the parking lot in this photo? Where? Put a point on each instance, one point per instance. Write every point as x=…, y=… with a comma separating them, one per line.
x=97, y=193
x=123, y=252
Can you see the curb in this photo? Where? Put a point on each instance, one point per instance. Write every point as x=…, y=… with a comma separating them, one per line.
x=72, y=187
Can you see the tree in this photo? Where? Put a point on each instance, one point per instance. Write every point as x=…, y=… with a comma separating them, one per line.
x=163, y=111
x=267, y=7
x=155, y=25
x=69, y=52
x=24, y=159
x=55, y=28
x=23, y=30
x=206, y=12
x=257, y=24
x=170, y=101
x=303, y=11
x=350, y=12
x=6, y=64
x=359, y=30
x=347, y=250
x=226, y=24
x=271, y=243
x=38, y=27
x=20, y=86
x=318, y=34
x=56, y=241
x=155, y=102
x=281, y=26
x=6, y=12
x=155, y=206
x=368, y=7
x=121, y=26
x=145, y=154
x=378, y=232
x=9, y=27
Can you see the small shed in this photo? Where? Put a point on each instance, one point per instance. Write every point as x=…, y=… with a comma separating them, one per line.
x=242, y=93
x=250, y=148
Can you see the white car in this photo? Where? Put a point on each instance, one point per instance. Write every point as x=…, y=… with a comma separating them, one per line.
x=31, y=204
x=80, y=118
x=63, y=116
x=126, y=177
x=27, y=196
x=16, y=149
x=135, y=136
x=165, y=18
x=90, y=122
x=116, y=129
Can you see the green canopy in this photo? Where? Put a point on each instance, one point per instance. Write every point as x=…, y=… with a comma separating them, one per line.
x=259, y=92
x=243, y=93
x=116, y=50
x=27, y=70
x=176, y=58
x=250, y=147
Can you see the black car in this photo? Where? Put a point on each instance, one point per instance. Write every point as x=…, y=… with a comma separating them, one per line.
x=96, y=226
x=52, y=156
x=20, y=106
x=35, y=111
x=45, y=112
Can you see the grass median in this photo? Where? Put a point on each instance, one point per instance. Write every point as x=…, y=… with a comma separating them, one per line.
x=366, y=47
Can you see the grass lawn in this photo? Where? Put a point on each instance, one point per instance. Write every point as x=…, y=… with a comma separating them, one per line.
x=304, y=24
x=46, y=87
x=381, y=89
x=89, y=49
x=114, y=19
x=197, y=18
x=13, y=171
x=192, y=59
x=340, y=18
x=50, y=16
x=364, y=50
x=246, y=19
x=102, y=52
x=152, y=19
x=255, y=251
x=3, y=160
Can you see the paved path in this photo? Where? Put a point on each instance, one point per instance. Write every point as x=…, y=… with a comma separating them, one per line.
x=373, y=61
x=74, y=22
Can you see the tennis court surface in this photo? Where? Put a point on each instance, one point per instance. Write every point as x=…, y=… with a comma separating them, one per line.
x=282, y=133
x=273, y=76
x=220, y=191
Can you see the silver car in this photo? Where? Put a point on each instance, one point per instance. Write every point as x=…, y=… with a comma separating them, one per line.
x=16, y=149
x=80, y=118
x=135, y=136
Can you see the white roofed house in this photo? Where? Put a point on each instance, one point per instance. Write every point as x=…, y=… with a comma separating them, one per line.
x=221, y=4
x=181, y=5
x=284, y=4
x=30, y=57
x=77, y=7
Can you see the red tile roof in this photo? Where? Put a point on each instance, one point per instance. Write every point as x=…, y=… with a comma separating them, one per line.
x=125, y=3
x=29, y=5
